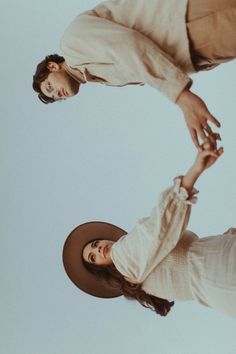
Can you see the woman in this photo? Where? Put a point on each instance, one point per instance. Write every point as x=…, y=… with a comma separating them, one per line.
x=159, y=260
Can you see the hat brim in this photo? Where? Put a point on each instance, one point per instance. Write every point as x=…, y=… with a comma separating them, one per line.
x=72, y=257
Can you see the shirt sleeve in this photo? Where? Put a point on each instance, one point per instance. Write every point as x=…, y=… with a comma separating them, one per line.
x=136, y=254
x=92, y=39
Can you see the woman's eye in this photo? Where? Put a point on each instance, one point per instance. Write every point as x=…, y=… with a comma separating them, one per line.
x=93, y=259
x=94, y=244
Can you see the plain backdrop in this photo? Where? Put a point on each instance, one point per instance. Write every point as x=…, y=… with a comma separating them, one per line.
x=103, y=155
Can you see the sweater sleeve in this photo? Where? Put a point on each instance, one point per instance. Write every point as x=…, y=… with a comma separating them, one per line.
x=136, y=254
x=91, y=39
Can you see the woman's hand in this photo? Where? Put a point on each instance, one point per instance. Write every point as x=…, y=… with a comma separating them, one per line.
x=207, y=157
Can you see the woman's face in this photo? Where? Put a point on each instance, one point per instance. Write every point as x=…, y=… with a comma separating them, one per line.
x=98, y=252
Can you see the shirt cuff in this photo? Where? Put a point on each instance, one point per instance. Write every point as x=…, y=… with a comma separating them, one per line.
x=182, y=193
x=173, y=89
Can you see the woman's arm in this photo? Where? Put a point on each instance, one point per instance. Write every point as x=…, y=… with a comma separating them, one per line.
x=204, y=159
x=153, y=238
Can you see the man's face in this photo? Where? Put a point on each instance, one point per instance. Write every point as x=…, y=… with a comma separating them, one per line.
x=59, y=84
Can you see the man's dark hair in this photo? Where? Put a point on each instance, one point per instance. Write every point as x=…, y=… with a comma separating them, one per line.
x=42, y=73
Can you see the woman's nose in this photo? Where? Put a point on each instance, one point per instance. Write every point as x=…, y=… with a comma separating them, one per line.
x=99, y=249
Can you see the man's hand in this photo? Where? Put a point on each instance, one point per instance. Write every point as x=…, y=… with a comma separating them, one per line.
x=196, y=116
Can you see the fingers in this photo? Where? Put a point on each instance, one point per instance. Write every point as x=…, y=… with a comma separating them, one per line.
x=213, y=120
x=215, y=136
x=210, y=132
x=208, y=129
x=209, y=153
x=196, y=134
x=195, y=139
x=199, y=127
x=209, y=157
x=202, y=134
x=207, y=146
x=205, y=133
x=220, y=151
x=211, y=143
x=213, y=153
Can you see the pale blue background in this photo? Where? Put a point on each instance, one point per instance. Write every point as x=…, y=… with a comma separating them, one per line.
x=105, y=154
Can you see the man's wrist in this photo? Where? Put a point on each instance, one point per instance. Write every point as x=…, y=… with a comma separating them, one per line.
x=181, y=100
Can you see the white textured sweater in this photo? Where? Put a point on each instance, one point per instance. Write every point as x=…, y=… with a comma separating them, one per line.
x=155, y=252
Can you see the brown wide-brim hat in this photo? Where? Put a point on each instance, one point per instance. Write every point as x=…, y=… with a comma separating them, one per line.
x=73, y=261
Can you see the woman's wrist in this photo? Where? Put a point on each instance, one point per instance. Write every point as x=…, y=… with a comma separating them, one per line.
x=196, y=170
x=190, y=178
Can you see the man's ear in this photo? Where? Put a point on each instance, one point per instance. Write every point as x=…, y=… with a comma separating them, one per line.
x=53, y=66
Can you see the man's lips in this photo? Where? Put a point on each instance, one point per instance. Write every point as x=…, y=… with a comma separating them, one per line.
x=64, y=92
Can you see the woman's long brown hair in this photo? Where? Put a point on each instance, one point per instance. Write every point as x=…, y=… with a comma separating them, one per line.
x=131, y=291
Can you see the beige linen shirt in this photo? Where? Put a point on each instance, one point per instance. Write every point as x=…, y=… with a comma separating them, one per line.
x=125, y=42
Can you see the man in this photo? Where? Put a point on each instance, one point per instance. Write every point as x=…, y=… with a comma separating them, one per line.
x=153, y=42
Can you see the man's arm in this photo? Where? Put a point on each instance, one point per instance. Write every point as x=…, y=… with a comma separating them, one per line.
x=91, y=39
x=94, y=40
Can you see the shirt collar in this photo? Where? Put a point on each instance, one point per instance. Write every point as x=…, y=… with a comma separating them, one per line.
x=75, y=73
